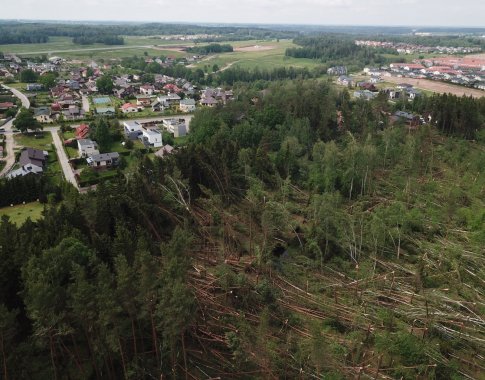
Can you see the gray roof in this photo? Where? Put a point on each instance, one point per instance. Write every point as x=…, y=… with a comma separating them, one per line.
x=104, y=157
x=32, y=156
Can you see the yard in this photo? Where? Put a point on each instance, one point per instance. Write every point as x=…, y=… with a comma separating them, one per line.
x=43, y=141
x=39, y=140
x=19, y=214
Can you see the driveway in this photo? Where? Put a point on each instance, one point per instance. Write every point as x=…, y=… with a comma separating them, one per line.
x=85, y=101
x=9, y=140
x=62, y=157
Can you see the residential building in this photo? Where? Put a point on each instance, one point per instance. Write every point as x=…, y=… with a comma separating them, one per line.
x=82, y=131
x=187, y=105
x=43, y=115
x=105, y=111
x=34, y=87
x=132, y=129
x=151, y=137
x=31, y=161
x=128, y=108
x=87, y=147
x=164, y=151
x=103, y=160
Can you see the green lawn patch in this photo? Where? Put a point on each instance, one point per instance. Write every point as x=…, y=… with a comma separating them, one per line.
x=19, y=214
x=39, y=140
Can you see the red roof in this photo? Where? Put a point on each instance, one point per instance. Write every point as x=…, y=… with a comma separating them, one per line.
x=7, y=105
x=127, y=105
x=82, y=131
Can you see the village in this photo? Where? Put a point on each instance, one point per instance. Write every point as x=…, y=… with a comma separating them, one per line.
x=147, y=118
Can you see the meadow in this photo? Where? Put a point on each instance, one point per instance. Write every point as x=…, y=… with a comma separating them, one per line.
x=19, y=214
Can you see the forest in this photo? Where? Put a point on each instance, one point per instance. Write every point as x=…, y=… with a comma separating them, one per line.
x=336, y=49
x=211, y=48
x=227, y=77
x=298, y=234
x=20, y=33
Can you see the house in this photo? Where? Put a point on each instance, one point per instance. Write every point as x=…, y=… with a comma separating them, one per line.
x=132, y=129
x=73, y=113
x=412, y=93
x=187, y=105
x=411, y=120
x=87, y=147
x=103, y=160
x=337, y=70
x=345, y=80
x=43, y=115
x=157, y=106
x=6, y=106
x=82, y=131
x=176, y=126
x=31, y=161
x=147, y=89
x=169, y=99
x=209, y=102
x=367, y=86
x=34, y=87
x=164, y=151
x=105, y=111
x=365, y=94
x=143, y=100
x=151, y=137
x=128, y=108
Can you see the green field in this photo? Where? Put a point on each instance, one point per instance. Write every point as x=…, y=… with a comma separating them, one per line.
x=19, y=214
x=64, y=47
x=271, y=54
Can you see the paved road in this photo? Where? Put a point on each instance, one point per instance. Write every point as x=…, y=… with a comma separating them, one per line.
x=62, y=157
x=9, y=140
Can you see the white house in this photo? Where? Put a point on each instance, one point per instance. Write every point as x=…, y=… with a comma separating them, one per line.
x=128, y=108
x=132, y=129
x=87, y=147
x=147, y=89
x=187, y=105
x=152, y=137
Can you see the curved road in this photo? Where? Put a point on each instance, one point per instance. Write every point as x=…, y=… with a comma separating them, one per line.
x=9, y=140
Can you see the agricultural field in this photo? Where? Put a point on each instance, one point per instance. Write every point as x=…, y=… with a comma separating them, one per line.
x=19, y=214
x=257, y=54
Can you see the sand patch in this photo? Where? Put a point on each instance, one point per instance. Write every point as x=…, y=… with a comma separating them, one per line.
x=255, y=48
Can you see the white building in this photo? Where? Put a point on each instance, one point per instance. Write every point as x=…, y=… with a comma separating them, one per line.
x=87, y=147
x=152, y=137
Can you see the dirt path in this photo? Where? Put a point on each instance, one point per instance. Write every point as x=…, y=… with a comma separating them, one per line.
x=439, y=87
x=253, y=48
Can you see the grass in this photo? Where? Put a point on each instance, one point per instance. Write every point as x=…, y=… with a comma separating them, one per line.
x=29, y=140
x=154, y=47
x=53, y=169
x=19, y=214
x=264, y=59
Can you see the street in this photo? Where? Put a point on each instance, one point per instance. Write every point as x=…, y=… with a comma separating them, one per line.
x=62, y=157
x=9, y=140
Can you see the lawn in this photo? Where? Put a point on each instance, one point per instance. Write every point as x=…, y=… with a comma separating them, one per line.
x=29, y=140
x=54, y=169
x=19, y=214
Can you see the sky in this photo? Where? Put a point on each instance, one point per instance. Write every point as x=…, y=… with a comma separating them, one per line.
x=316, y=12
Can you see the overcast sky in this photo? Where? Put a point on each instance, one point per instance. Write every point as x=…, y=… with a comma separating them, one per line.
x=320, y=12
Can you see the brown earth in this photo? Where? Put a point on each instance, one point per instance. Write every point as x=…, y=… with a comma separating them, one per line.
x=255, y=48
